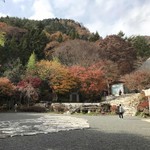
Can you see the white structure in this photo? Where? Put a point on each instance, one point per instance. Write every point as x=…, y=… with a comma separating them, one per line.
x=147, y=93
x=117, y=88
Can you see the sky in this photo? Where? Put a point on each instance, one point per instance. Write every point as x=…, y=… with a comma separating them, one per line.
x=104, y=16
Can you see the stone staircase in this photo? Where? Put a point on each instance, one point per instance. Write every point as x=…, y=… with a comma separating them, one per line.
x=128, y=101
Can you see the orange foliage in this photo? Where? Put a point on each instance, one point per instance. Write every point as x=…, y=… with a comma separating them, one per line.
x=6, y=87
x=60, y=78
x=2, y=25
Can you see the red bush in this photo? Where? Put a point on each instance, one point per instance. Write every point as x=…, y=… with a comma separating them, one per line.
x=142, y=105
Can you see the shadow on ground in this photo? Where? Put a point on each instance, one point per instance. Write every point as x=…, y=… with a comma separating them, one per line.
x=77, y=140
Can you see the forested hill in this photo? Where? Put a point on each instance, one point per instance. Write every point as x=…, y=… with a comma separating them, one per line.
x=23, y=36
x=69, y=41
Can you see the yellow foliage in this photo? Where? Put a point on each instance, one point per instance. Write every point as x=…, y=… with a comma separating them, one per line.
x=58, y=75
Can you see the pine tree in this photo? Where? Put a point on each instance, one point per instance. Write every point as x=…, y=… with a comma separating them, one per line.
x=94, y=37
x=31, y=62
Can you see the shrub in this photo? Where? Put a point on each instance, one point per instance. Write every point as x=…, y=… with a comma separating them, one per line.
x=143, y=108
x=114, y=109
x=105, y=107
x=143, y=105
x=84, y=110
x=60, y=108
x=32, y=109
x=6, y=87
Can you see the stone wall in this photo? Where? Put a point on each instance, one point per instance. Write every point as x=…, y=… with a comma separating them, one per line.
x=128, y=101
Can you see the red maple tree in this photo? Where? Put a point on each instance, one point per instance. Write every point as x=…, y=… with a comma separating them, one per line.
x=90, y=80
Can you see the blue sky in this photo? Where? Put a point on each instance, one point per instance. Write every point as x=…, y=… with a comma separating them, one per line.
x=105, y=16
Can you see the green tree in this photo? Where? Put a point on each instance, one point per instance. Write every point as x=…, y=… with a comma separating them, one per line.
x=31, y=62
x=2, y=39
x=141, y=45
x=121, y=34
x=72, y=34
x=94, y=37
x=14, y=70
x=9, y=51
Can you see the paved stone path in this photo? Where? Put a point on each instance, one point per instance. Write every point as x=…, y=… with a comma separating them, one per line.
x=105, y=133
x=44, y=124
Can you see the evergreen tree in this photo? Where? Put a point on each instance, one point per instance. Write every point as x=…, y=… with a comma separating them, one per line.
x=14, y=70
x=72, y=34
x=141, y=45
x=121, y=34
x=31, y=63
x=94, y=37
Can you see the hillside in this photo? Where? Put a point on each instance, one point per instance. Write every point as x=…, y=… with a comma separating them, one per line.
x=23, y=36
x=119, y=51
x=65, y=56
x=68, y=40
x=76, y=52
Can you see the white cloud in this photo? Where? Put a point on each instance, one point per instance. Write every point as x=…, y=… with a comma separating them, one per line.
x=106, y=17
x=109, y=17
x=93, y=27
x=3, y=15
x=135, y=22
x=94, y=14
x=42, y=9
x=71, y=9
x=18, y=1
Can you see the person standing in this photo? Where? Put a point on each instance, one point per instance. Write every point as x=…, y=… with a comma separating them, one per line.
x=121, y=111
x=120, y=92
x=15, y=107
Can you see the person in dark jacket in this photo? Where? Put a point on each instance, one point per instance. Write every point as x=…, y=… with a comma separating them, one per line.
x=120, y=111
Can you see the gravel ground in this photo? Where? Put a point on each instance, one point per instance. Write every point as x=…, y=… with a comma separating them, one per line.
x=105, y=133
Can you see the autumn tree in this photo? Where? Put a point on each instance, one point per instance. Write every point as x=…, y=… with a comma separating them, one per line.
x=119, y=51
x=137, y=80
x=50, y=48
x=29, y=89
x=7, y=89
x=91, y=80
x=76, y=52
x=59, y=77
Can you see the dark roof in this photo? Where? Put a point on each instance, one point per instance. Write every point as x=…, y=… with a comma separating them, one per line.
x=116, y=82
